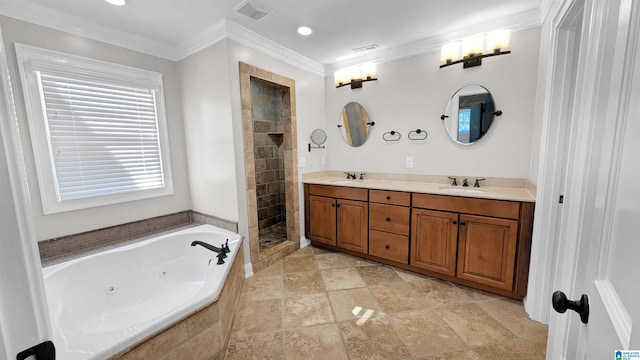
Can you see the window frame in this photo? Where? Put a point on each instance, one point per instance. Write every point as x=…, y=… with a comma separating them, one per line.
x=31, y=59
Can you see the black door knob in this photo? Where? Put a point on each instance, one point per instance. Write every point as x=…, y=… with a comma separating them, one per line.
x=561, y=304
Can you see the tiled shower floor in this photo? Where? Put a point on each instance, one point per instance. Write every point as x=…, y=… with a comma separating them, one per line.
x=273, y=235
x=316, y=304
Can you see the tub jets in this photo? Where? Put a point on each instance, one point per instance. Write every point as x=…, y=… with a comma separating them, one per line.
x=221, y=251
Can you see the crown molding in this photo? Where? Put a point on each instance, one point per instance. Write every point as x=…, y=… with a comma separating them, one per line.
x=58, y=20
x=205, y=38
x=517, y=22
x=258, y=42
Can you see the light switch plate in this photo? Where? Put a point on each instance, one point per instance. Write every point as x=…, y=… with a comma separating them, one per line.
x=409, y=162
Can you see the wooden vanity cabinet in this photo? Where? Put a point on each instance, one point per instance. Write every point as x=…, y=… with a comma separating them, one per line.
x=434, y=240
x=389, y=216
x=475, y=240
x=338, y=216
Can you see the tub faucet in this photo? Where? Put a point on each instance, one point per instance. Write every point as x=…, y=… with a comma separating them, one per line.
x=219, y=250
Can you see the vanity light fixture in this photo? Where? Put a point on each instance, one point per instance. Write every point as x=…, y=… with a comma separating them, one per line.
x=472, y=48
x=355, y=75
x=117, y=2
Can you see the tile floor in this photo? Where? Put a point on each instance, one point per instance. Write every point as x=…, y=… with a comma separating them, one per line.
x=317, y=304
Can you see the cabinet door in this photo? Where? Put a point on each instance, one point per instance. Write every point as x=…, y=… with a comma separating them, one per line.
x=353, y=225
x=434, y=236
x=487, y=250
x=322, y=219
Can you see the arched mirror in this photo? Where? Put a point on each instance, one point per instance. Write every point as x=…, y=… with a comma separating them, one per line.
x=354, y=124
x=469, y=114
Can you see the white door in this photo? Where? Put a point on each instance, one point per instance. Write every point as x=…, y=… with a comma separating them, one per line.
x=24, y=319
x=607, y=252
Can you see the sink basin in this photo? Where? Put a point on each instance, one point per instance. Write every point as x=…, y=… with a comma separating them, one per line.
x=461, y=190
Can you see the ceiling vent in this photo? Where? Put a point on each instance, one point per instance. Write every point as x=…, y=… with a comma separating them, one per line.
x=365, y=48
x=253, y=9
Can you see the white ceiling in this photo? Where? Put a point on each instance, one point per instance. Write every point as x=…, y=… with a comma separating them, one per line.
x=175, y=28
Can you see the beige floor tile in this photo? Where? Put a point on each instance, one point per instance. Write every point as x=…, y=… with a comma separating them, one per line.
x=262, y=346
x=309, y=282
x=375, y=339
x=340, y=279
x=425, y=333
x=439, y=293
x=458, y=355
x=319, y=250
x=373, y=275
x=261, y=288
x=258, y=316
x=410, y=276
x=338, y=260
x=475, y=294
x=354, y=304
x=398, y=297
x=511, y=314
x=307, y=310
x=271, y=270
x=305, y=251
x=540, y=343
x=298, y=264
x=518, y=349
x=474, y=325
x=317, y=342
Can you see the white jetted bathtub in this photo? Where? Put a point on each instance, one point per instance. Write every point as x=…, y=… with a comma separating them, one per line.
x=101, y=304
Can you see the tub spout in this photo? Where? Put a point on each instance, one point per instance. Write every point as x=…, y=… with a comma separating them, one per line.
x=210, y=247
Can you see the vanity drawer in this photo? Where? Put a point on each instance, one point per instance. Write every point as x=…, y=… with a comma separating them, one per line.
x=488, y=207
x=342, y=192
x=389, y=246
x=390, y=197
x=390, y=218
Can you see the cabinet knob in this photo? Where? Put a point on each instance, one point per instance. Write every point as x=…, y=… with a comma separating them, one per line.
x=463, y=223
x=387, y=247
x=454, y=222
x=388, y=219
x=388, y=197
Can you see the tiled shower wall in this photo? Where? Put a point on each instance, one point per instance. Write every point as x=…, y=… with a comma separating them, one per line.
x=266, y=103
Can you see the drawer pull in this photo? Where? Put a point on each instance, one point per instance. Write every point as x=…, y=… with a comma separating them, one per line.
x=454, y=222
x=388, y=197
x=463, y=223
x=387, y=247
x=388, y=219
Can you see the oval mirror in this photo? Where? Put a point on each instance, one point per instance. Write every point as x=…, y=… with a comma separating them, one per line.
x=354, y=124
x=469, y=114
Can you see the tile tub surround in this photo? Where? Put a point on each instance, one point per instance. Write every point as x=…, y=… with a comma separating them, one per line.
x=201, y=336
x=65, y=248
x=318, y=304
x=492, y=188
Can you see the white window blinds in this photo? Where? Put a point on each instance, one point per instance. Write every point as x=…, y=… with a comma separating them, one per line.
x=98, y=130
x=103, y=138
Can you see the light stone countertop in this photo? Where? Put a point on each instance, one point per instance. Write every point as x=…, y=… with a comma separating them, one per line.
x=484, y=192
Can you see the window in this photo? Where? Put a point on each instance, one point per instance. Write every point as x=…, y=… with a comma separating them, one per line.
x=98, y=130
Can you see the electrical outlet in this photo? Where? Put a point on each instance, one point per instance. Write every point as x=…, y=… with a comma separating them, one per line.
x=408, y=162
x=302, y=161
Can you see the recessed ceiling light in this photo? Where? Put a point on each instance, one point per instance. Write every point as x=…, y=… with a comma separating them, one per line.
x=305, y=30
x=117, y=2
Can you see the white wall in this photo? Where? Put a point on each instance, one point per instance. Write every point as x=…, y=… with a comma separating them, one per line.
x=71, y=222
x=205, y=84
x=211, y=95
x=412, y=93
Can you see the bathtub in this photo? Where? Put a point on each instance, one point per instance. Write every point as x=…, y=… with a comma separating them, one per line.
x=104, y=303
